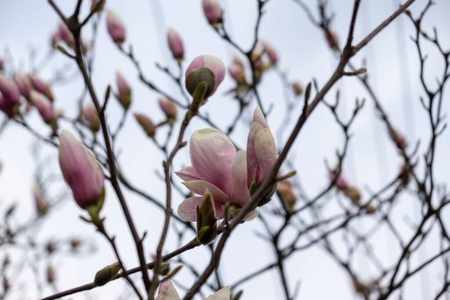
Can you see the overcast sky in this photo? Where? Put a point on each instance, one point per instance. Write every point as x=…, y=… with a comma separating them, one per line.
x=393, y=69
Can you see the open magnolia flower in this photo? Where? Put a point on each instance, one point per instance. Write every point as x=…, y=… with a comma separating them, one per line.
x=225, y=173
x=168, y=292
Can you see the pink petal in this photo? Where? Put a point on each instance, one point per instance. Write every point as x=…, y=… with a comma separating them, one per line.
x=212, y=156
x=167, y=291
x=187, y=209
x=239, y=188
x=200, y=186
x=188, y=174
x=266, y=153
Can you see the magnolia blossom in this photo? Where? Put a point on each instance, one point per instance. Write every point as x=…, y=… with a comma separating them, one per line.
x=44, y=106
x=116, y=29
x=175, y=44
x=90, y=117
x=211, y=63
x=168, y=292
x=213, y=11
x=81, y=170
x=40, y=86
x=225, y=173
x=9, y=89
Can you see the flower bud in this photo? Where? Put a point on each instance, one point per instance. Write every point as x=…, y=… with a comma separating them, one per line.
x=9, y=89
x=6, y=107
x=175, y=44
x=213, y=11
x=168, y=107
x=44, y=107
x=352, y=193
x=398, y=138
x=39, y=200
x=206, y=220
x=286, y=194
x=198, y=72
x=124, y=91
x=97, y=5
x=237, y=71
x=332, y=39
x=81, y=171
x=40, y=86
x=146, y=124
x=50, y=274
x=106, y=274
x=65, y=35
x=54, y=39
x=297, y=87
x=341, y=183
x=271, y=53
x=116, y=29
x=24, y=85
x=90, y=117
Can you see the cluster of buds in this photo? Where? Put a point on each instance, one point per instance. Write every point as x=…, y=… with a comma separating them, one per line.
x=123, y=91
x=116, y=28
x=213, y=12
x=175, y=44
x=398, y=138
x=263, y=58
x=168, y=292
x=83, y=173
x=287, y=195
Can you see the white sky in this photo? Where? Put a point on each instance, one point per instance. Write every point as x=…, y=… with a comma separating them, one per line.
x=303, y=54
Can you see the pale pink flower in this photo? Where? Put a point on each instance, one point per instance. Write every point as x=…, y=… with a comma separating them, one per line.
x=44, y=107
x=213, y=11
x=261, y=150
x=225, y=173
x=81, y=171
x=24, y=84
x=210, y=62
x=116, y=29
x=90, y=117
x=175, y=44
x=168, y=107
x=9, y=89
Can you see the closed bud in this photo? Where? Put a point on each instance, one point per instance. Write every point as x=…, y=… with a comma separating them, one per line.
x=116, y=29
x=271, y=53
x=206, y=220
x=237, y=71
x=6, y=107
x=332, y=39
x=65, y=35
x=123, y=91
x=10, y=91
x=146, y=124
x=297, y=88
x=205, y=68
x=341, y=183
x=175, y=44
x=212, y=11
x=90, y=117
x=40, y=86
x=97, y=5
x=39, y=200
x=24, y=85
x=81, y=171
x=286, y=194
x=50, y=274
x=44, y=106
x=106, y=274
x=352, y=193
x=398, y=138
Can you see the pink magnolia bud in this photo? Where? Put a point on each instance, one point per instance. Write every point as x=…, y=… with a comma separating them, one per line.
x=40, y=86
x=175, y=44
x=332, y=39
x=146, y=124
x=65, y=35
x=24, y=84
x=44, y=107
x=9, y=89
x=341, y=183
x=237, y=71
x=116, y=29
x=55, y=38
x=209, y=62
x=81, y=171
x=124, y=91
x=90, y=117
x=39, y=200
x=271, y=53
x=213, y=11
x=168, y=107
x=6, y=107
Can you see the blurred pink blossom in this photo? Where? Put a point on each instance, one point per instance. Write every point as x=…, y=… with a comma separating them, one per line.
x=116, y=28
